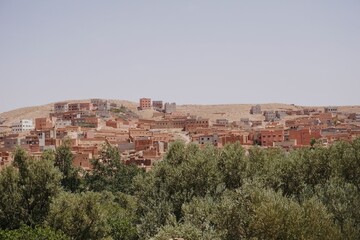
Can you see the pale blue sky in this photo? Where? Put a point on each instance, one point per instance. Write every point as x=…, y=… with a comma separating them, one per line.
x=203, y=52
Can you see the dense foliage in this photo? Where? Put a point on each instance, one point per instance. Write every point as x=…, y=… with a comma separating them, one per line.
x=194, y=193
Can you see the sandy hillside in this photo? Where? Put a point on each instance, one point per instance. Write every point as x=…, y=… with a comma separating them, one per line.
x=25, y=113
x=7, y=118
x=232, y=112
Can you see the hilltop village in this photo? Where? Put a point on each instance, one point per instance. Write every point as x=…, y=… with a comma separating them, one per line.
x=143, y=141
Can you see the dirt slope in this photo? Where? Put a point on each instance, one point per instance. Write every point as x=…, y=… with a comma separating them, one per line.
x=232, y=112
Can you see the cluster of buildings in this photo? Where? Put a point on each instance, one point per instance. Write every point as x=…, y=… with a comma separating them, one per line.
x=146, y=103
x=88, y=125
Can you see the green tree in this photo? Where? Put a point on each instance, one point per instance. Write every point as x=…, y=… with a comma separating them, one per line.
x=265, y=166
x=302, y=170
x=254, y=212
x=80, y=216
x=312, y=142
x=310, y=193
x=345, y=158
x=38, y=189
x=90, y=215
x=233, y=165
x=110, y=174
x=11, y=210
x=123, y=220
x=343, y=201
x=277, y=217
x=26, y=194
x=186, y=172
x=183, y=231
x=48, y=155
x=176, y=153
x=64, y=161
x=21, y=161
x=201, y=213
x=26, y=232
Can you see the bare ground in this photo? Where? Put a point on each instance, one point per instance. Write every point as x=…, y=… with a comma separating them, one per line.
x=232, y=112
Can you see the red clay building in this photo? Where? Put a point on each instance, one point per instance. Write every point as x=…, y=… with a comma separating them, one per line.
x=80, y=106
x=143, y=143
x=145, y=103
x=83, y=160
x=158, y=105
x=192, y=124
x=90, y=122
x=268, y=137
x=303, y=136
x=44, y=123
x=243, y=139
x=5, y=159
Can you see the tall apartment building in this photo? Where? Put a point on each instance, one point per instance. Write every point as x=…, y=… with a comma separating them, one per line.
x=145, y=103
x=22, y=125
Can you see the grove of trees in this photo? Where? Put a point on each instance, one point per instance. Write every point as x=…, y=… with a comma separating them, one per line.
x=193, y=193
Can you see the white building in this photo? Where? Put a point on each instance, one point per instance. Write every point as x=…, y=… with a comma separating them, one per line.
x=61, y=123
x=209, y=139
x=22, y=126
x=170, y=107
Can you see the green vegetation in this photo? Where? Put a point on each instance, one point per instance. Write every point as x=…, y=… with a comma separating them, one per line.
x=194, y=193
x=123, y=112
x=121, y=109
x=63, y=161
x=110, y=174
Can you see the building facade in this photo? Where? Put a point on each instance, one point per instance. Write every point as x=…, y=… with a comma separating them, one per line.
x=22, y=126
x=61, y=107
x=269, y=137
x=158, y=105
x=145, y=103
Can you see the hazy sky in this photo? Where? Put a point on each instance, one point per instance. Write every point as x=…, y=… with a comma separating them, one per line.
x=302, y=52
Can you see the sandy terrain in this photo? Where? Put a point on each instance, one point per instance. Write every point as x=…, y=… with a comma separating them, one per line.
x=7, y=118
x=232, y=112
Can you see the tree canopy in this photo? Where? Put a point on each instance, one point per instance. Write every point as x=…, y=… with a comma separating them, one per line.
x=193, y=193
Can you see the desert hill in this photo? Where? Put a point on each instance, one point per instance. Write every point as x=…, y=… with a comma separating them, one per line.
x=232, y=112
x=7, y=118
